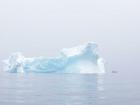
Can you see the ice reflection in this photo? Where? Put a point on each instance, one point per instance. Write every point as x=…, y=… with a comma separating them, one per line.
x=51, y=89
x=81, y=89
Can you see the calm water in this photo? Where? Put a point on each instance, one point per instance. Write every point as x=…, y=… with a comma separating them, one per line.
x=68, y=89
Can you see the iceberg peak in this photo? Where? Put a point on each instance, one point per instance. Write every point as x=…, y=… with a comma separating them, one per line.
x=91, y=46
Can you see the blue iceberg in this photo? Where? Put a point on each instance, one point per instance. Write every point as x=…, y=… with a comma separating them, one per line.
x=80, y=59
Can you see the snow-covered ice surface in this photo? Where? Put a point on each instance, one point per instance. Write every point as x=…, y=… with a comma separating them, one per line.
x=80, y=59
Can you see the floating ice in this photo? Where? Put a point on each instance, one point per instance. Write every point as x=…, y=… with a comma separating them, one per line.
x=80, y=59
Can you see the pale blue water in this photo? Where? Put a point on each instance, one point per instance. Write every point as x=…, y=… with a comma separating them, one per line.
x=68, y=89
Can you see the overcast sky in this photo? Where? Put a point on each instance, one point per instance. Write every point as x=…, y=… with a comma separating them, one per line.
x=44, y=27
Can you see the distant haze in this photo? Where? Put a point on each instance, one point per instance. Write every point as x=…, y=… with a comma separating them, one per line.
x=44, y=27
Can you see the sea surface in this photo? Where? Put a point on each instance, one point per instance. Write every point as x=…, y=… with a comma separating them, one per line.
x=68, y=89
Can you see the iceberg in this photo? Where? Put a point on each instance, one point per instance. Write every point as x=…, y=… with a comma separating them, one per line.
x=80, y=59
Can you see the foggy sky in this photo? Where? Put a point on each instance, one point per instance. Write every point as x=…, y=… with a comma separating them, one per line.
x=44, y=27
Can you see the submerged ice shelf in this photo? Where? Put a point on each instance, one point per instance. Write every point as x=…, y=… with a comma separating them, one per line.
x=80, y=59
